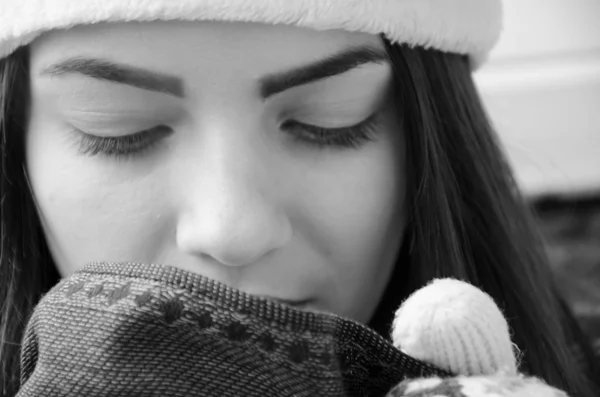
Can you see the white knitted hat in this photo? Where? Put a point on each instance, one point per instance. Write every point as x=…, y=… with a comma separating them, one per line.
x=462, y=26
x=455, y=326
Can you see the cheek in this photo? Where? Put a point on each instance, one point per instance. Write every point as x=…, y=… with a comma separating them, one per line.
x=359, y=210
x=362, y=207
x=90, y=211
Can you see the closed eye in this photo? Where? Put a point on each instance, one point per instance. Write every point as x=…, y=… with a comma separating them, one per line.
x=350, y=137
x=121, y=146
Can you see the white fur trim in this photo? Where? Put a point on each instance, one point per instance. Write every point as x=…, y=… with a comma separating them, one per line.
x=463, y=26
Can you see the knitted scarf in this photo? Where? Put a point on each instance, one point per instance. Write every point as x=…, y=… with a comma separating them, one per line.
x=124, y=329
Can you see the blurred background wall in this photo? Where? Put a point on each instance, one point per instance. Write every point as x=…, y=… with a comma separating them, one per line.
x=542, y=90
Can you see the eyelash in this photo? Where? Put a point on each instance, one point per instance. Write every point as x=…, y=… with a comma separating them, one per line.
x=121, y=147
x=352, y=137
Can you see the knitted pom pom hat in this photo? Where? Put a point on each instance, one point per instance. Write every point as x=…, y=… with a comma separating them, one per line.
x=457, y=327
x=462, y=26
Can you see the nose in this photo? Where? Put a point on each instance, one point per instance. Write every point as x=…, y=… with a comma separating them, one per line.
x=232, y=214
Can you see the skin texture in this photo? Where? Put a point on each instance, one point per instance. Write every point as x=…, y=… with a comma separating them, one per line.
x=229, y=194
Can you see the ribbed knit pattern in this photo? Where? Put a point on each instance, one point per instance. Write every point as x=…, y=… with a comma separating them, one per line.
x=456, y=326
x=459, y=327
x=123, y=329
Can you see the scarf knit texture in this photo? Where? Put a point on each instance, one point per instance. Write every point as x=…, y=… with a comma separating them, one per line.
x=149, y=330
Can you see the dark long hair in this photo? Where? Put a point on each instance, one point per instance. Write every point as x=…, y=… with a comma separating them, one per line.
x=26, y=267
x=467, y=219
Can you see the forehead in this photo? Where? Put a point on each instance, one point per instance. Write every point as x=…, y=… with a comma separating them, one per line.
x=249, y=49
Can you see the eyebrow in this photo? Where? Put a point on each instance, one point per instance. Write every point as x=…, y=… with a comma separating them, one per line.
x=331, y=66
x=269, y=85
x=117, y=73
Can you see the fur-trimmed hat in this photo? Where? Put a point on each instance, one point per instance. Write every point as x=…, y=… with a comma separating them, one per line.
x=461, y=26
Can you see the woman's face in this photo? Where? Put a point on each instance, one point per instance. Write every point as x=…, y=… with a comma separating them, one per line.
x=267, y=158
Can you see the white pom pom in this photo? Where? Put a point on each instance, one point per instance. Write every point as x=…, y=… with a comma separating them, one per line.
x=457, y=327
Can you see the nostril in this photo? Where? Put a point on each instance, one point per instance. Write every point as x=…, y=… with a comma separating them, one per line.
x=233, y=234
